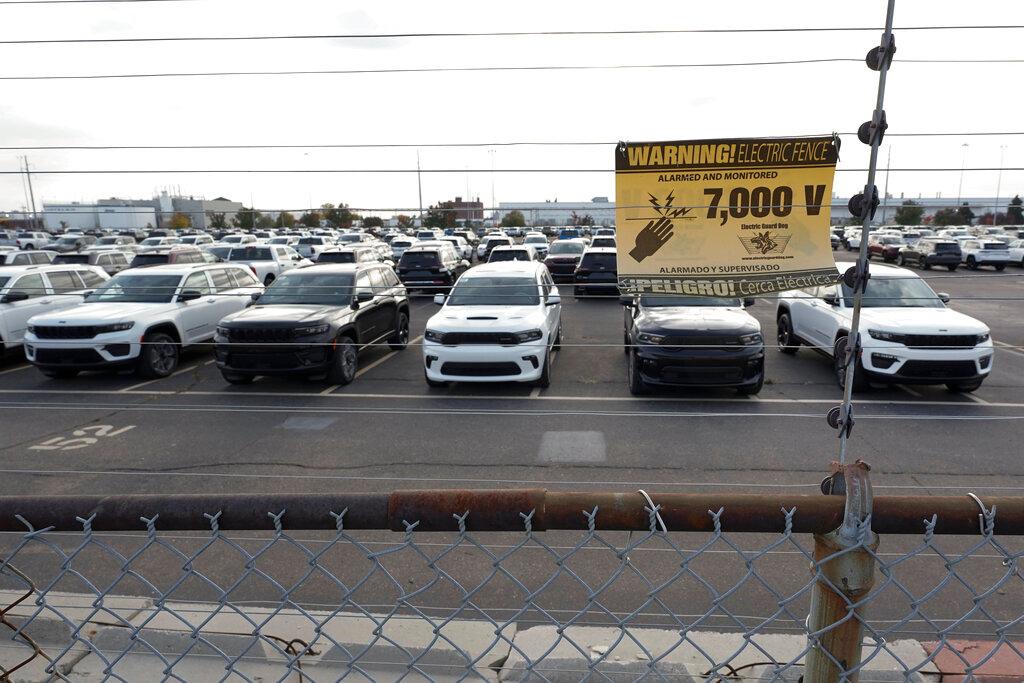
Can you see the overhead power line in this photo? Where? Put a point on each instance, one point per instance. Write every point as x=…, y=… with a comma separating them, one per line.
x=77, y=2
x=119, y=171
x=397, y=145
x=486, y=34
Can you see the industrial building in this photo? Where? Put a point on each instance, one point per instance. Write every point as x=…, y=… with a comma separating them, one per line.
x=560, y=213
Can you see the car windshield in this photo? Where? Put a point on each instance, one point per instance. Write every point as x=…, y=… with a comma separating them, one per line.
x=3, y=281
x=68, y=240
x=149, y=260
x=349, y=239
x=337, y=257
x=536, y=239
x=419, y=259
x=606, y=261
x=946, y=246
x=671, y=301
x=71, y=258
x=132, y=288
x=311, y=240
x=604, y=242
x=250, y=254
x=107, y=240
x=509, y=255
x=896, y=292
x=495, y=291
x=219, y=252
x=191, y=239
x=325, y=289
x=280, y=240
x=566, y=248
x=892, y=240
x=233, y=239
x=995, y=245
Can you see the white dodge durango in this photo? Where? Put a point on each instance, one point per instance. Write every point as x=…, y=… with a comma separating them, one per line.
x=499, y=324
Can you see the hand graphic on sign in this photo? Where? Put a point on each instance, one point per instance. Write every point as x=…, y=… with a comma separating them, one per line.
x=652, y=238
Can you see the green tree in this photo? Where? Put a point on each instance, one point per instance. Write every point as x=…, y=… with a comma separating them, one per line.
x=180, y=221
x=216, y=221
x=988, y=218
x=513, y=219
x=909, y=213
x=311, y=219
x=404, y=222
x=284, y=220
x=246, y=218
x=1015, y=212
x=585, y=219
x=947, y=216
x=338, y=216
x=373, y=222
x=965, y=214
x=264, y=222
x=438, y=217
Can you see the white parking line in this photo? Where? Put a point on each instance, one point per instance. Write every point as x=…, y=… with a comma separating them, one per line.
x=909, y=390
x=976, y=399
x=15, y=369
x=1008, y=348
x=158, y=379
x=371, y=366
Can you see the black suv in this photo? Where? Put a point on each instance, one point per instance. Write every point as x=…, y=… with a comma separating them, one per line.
x=930, y=251
x=692, y=341
x=314, y=321
x=596, y=272
x=433, y=268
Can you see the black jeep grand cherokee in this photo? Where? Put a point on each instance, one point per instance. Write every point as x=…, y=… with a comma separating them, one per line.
x=314, y=321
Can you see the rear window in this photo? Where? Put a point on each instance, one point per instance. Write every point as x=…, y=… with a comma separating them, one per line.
x=419, y=259
x=337, y=257
x=251, y=254
x=606, y=261
x=311, y=240
x=148, y=260
x=565, y=248
x=509, y=255
x=71, y=258
x=995, y=245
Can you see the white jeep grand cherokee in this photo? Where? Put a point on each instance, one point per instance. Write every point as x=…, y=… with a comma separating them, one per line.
x=908, y=335
x=499, y=324
x=140, y=318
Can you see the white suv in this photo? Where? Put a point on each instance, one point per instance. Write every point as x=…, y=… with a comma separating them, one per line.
x=908, y=335
x=267, y=262
x=26, y=291
x=140, y=318
x=984, y=252
x=499, y=324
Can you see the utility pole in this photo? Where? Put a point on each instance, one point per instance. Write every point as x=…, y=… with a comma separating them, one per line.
x=963, y=162
x=885, y=191
x=419, y=184
x=31, y=195
x=493, y=206
x=999, y=183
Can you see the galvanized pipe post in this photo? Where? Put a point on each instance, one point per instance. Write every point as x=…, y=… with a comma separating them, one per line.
x=844, y=567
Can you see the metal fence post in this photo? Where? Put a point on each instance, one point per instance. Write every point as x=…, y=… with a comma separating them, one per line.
x=844, y=568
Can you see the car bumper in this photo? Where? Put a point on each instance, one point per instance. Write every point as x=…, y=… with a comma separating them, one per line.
x=562, y=271
x=607, y=284
x=271, y=359
x=934, y=260
x=429, y=285
x=701, y=367
x=484, y=362
x=898, y=364
x=988, y=260
x=114, y=349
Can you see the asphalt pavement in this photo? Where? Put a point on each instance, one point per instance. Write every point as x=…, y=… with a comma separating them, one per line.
x=193, y=432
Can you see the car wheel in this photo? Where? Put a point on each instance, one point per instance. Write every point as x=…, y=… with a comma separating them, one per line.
x=267, y=280
x=557, y=344
x=925, y=265
x=577, y=292
x=432, y=383
x=625, y=343
x=972, y=263
x=345, y=362
x=788, y=342
x=234, y=378
x=637, y=386
x=29, y=247
x=1000, y=267
x=159, y=356
x=951, y=268
x=964, y=387
x=401, y=337
x=900, y=261
x=860, y=380
x=59, y=373
x=544, y=381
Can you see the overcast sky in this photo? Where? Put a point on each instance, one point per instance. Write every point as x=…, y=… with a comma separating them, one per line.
x=598, y=105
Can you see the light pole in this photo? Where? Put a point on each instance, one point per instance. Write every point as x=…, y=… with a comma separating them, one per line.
x=999, y=183
x=963, y=162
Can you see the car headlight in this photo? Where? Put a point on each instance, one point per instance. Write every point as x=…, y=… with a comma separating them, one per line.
x=646, y=338
x=433, y=336
x=982, y=338
x=751, y=339
x=31, y=329
x=312, y=330
x=882, y=335
x=528, y=336
x=115, y=327
x=223, y=331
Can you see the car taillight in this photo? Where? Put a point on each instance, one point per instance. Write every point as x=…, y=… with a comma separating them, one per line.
x=253, y=269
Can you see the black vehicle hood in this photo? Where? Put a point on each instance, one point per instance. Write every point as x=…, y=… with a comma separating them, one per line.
x=698, y=320
x=281, y=315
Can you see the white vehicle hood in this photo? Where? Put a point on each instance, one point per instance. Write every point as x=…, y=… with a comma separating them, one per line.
x=487, y=319
x=101, y=313
x=719, y=318
x=921, y=321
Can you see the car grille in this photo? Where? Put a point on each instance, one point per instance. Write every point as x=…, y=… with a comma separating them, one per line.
x=700, y=341
x=929, y=369
x=261, y=334
x=955, y=341
x=480, y=369
x=701, y=375
x=65, y=332
x=501, y=338
x=68, y=357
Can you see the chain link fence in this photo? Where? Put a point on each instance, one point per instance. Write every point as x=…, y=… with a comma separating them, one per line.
x=524, y=604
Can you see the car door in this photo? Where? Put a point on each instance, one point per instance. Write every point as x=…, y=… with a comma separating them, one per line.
x=17, y=313
x=198, y=317
x=552, y=313
x=66, y=287
x=228, y=301
x=822, y=318
x=385, y=307
x=365, y=320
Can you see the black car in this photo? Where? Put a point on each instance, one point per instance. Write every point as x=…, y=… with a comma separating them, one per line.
x=563, y=257
x=930, y=251
x=596, y=272
x=692, y=342
x=432, y=269
x=314, y=321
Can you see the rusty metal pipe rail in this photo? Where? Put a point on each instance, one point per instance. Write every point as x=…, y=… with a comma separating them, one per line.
x=499, y=510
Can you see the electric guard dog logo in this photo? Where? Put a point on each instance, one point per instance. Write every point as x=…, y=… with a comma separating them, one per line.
x=765, y=243
x=658, y=231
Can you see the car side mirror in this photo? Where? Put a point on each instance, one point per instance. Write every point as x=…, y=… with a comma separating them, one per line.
x=831, y=299
x=13, y=297
x=943, y=297
x=626, y=301
x=189, y=295
x=553, y=299
x=464, y=263
x=748, y=302
x=255, y=296
x=439, y=299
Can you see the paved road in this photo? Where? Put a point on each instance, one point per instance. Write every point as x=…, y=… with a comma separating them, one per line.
x=194, y=433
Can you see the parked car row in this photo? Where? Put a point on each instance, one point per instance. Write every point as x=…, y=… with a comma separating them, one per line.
x=973, y=248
